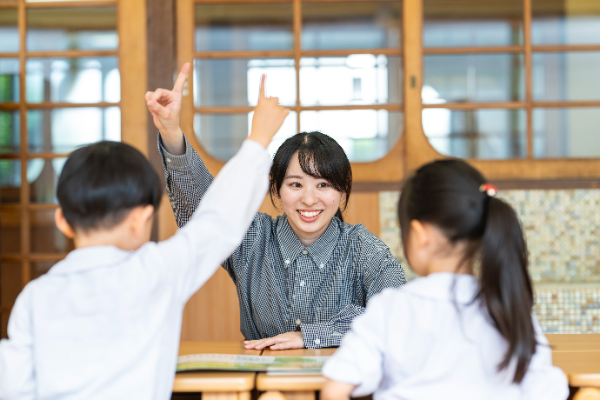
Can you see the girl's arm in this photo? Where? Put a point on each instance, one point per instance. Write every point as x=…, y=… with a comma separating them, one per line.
x=333, y=390
x=358, y=363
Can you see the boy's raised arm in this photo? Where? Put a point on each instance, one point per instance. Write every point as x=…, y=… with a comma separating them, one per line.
x=229, y=205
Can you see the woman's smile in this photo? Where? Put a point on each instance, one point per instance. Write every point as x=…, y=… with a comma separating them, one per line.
x=309, y=215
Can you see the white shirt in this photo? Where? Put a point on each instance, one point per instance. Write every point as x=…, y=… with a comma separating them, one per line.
x=105, y=323
x=412, y=344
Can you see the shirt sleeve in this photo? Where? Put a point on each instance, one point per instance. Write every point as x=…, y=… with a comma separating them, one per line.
x=543, y=380
x=187, y=180
x=17, y=376
x=382, y=272
x=359, y=360
x=220, y=223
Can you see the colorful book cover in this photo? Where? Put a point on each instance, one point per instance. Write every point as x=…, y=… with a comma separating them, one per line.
x=233, y=362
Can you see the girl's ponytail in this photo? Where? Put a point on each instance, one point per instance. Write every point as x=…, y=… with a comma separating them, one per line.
x=505, y=286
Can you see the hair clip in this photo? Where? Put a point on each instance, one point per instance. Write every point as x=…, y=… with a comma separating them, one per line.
x=488, y=189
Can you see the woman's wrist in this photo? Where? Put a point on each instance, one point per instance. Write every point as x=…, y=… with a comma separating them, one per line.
x=173, y=141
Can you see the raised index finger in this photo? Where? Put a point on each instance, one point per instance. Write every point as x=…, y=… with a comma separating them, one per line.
x=181, y=78
x=262, y=87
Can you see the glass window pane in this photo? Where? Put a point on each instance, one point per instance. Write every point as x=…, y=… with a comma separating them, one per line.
x=10, y=232
x=486, y=134
x=62, y=130
x=10, y=134
x=45, y=236
x=351, y=25
x=10, y=181
x=235, y=82
x=566, y=132
x=473, y=78
x=355, y=79
x=222, y=134
x=81, y=28
x=566, y=76
x=565, y=22
x=365, y=135
x=9, y=30
x=40, y=268
x=449, y=23
x=73, y=80
x=222, y=27
x=43, y=177
x=9, y=80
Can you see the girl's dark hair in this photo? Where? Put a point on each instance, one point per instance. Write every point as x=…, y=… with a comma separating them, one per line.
x=446, y=194
x=320, y=156
x=102, y=182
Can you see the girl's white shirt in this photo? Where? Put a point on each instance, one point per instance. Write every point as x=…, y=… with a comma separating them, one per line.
x=428, y=340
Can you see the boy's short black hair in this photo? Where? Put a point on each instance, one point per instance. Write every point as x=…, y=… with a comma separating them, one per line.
x=102, y=182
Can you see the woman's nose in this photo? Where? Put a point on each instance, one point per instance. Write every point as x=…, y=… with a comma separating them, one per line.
x=309, y=198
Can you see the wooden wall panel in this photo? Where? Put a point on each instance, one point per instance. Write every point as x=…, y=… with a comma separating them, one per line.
x=364, y=209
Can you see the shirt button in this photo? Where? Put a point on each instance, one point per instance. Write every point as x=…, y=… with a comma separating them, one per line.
x=304, y=251
x=169, y=160
x=321, y=266
x=298, y=322
x=287, y=261
x=317, y=341
x=302, y=283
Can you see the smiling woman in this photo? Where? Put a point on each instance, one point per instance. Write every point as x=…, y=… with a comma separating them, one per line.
x=301, y=278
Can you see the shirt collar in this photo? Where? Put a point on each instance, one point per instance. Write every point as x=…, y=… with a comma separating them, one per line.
x=320, y=251
x=89, y=258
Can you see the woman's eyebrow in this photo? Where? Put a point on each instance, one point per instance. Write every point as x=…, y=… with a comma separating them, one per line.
x=294, y=177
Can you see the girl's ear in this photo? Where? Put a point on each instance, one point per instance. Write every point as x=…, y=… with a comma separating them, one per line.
x=419, y=234
x=141, y=217
x=62, y=224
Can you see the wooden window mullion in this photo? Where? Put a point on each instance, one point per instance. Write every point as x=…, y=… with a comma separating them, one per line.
x=297, y=18
x=528, y=74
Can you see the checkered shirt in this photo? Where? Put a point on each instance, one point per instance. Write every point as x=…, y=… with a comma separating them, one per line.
x=282, y=285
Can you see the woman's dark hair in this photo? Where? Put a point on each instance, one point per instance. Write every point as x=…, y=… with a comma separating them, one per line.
x=320, y=156
x=101, y=183
x=446, y=194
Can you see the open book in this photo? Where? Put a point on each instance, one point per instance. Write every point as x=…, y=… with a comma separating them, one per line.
x=233, y=362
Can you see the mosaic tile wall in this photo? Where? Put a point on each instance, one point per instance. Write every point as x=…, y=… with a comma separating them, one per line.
x=562, y=228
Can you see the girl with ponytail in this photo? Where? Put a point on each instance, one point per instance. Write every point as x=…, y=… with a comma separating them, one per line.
x=464, y=329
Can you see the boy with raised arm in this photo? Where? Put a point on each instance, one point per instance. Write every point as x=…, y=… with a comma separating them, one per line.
x=105, y=322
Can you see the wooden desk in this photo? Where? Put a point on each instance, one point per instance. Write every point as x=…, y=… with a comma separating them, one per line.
x=216, y=385
x=294, y=387
x=578, y=355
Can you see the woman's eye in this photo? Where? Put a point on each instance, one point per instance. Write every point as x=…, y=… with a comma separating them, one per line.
x=295, y=184
x=322, y=185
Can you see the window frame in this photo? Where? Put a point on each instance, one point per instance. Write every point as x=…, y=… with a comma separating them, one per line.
x=389, y=168
x=132, y=63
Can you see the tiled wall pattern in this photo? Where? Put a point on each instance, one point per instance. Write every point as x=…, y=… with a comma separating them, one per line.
x=563, y=234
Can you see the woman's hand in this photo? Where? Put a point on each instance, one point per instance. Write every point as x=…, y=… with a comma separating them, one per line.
x=268, y=117
x=165, y=107
x=285, y=341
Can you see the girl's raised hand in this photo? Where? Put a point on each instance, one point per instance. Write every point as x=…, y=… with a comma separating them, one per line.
x=165, y=107
x=268, y=117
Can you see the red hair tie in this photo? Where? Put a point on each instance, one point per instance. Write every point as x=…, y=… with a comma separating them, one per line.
x=488, y=189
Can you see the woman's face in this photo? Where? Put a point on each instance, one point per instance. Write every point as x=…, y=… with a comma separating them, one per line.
x=309, y=203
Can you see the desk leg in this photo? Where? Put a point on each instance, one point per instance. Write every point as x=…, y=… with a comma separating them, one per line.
x=587, y=394
x=296, y=395
x=225, y=395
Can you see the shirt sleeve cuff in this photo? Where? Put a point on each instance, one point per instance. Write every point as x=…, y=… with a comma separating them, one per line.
x=316, y=336
x=172, y=162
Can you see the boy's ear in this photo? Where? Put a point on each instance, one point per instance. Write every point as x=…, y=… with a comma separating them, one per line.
x=139, y=218
x=62, y=224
